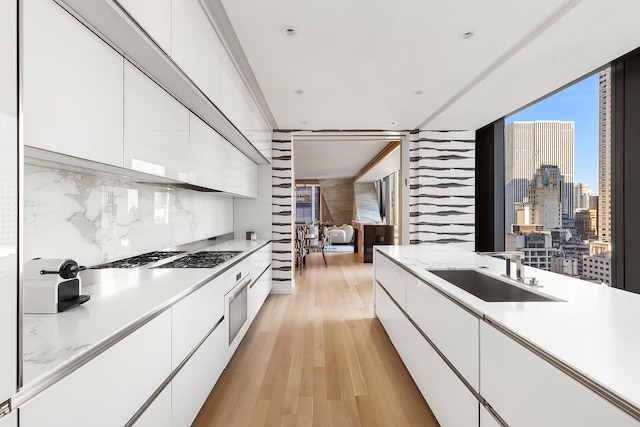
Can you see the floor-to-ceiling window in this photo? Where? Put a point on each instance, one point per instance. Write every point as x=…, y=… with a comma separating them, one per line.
x=557, y=170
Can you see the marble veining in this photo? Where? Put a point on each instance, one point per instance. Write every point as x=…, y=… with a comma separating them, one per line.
x=98, y=218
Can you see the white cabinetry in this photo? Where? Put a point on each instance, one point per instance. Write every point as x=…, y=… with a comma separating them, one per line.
x=241, y=174
x=156, y=128
x=109, y=389
x=154, y=16
x=158, y=414
x=72, y=100
x=10, y=420
x=525, y=390
x=207, y=150
x=453, y=330
x=193, y=383
x=261, y=274
x=486, y=419
x=393, y=320
x=215, y=163
x=449, y=399
x=9, y=197
x=195, y=46
x=193, y=318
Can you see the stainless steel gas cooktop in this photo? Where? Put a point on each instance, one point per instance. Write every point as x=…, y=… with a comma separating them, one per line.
x=139, y=260
x=203, y=259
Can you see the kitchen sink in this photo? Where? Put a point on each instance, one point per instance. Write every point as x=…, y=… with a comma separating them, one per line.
x=488, y=288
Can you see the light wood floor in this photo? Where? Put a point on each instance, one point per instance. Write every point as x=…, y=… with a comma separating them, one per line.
x=319, y=358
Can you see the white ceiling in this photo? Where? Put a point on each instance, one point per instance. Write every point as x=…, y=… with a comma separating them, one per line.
x=331, y=157
x=359, y=63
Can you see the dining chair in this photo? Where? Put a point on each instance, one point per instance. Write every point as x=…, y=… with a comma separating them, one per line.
x=319, y=247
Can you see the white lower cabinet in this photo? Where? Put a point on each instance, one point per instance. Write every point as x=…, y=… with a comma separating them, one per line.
x=525, y=390
x=10, y=420
x=111, y=388
x=193, y=383
x=258, y=292
x=158, y=414
x=449, y=399
x=486, y=419
x=393, y=320
x=453, y=330
x=193, y=317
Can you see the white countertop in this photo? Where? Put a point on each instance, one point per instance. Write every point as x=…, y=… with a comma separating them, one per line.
x=120, y=298
x=596, y=330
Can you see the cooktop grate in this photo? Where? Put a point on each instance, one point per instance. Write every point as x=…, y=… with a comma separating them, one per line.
x=139, y=260
x=203, y=259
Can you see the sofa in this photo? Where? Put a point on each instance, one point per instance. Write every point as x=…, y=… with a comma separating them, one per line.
x=340, y=235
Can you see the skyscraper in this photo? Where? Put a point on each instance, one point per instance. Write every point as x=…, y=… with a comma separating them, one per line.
x=581, y=196
x=604, y=157
x=529, y=145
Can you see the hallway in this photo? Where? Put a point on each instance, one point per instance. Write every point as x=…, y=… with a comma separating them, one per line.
x=318, y=358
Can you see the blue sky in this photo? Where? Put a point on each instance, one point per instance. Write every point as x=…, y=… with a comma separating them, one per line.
x=577, y=103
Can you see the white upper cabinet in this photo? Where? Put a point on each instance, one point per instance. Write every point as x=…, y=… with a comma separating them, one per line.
x=156, y=128
x=72, y=83
x=195, y=46
x=241, y=174
x=207, y=150
x=154, y=16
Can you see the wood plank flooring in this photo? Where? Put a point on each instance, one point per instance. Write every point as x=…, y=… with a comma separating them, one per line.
x=318, y=358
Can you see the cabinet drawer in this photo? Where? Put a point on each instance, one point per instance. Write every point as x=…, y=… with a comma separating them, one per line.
x=193, y=317
x=108, y=390
x=158, y=414
x=453, y=330
x=393, y=279
x=191, y=386
x=258, y=292
x=449, y=399
x=526, y=390
x=393, y=320
x=260, y=260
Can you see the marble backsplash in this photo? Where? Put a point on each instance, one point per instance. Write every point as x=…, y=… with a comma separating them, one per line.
x=97, y=218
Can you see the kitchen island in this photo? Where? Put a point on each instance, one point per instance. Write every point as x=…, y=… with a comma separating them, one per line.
x=136, y=319
x=572, y=360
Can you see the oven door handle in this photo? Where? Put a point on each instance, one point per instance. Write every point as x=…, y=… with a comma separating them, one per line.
x=239, y=289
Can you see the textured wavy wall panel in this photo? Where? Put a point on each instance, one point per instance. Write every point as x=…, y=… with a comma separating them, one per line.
x=442, y=188
x=282, y=212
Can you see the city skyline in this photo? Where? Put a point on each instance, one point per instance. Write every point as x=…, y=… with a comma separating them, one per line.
x=578, y=103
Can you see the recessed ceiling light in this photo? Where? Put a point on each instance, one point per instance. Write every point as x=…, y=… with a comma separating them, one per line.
x=393, y=123
x=467, y=34
x=289, y=30
x=418, y=92
x=299, y=92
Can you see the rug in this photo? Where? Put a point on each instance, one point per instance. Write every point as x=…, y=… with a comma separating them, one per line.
x=347, y=249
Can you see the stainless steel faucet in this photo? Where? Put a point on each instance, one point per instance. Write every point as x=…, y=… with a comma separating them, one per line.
x=518, y=258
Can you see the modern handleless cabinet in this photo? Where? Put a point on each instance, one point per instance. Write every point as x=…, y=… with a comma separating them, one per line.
x=156, y=128
x=109, y=389
x=526, y=390
x=431, y=334
x=158, y=414
x=154, y=17
x=72, y=82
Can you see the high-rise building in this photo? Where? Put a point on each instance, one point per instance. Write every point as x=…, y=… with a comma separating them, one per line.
x=529, y=145
x=604, y=157
x=543, y=204
x=581, y=196
x=587, y=223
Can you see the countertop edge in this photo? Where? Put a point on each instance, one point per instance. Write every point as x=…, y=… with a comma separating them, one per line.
x=40, y=384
